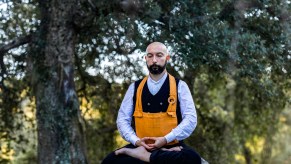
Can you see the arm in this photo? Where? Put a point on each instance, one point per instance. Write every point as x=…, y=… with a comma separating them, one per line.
x=125, y=116
x=124, y=120
x=189, y=116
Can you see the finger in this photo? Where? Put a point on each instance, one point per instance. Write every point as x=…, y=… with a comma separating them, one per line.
x=152, y=138
x=151, y=145
x=146, y=146
x=152, y=149
x=144, y=138
x=147, y=138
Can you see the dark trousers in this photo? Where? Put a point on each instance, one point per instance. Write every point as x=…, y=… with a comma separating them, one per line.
x=186, y=156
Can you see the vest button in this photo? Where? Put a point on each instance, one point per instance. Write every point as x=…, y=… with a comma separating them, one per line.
x=149, y=104
x=161, y=103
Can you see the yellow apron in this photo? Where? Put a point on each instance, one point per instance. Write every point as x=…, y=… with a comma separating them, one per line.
x=156, y=124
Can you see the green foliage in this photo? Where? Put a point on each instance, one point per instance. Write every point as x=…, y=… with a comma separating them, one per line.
x=235, y=56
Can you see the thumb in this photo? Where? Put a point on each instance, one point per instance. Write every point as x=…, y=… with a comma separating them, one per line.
x=152, y=138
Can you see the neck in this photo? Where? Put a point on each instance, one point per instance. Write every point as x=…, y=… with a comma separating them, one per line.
x=158, y=76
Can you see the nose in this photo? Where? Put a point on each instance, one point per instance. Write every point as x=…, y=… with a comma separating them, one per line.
x=154, y=59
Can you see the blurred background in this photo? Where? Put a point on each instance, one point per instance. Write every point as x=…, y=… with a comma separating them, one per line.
x=234, y=54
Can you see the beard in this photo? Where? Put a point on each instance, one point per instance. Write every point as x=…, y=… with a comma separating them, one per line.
x=156, y=69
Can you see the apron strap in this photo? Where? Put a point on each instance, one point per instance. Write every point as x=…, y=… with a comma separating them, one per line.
x=138, y=104
x=172, y=97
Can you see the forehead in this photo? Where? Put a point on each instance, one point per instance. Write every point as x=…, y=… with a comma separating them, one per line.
x=155, y=48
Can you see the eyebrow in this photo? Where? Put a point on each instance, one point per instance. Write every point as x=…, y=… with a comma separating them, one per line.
x=160, y=52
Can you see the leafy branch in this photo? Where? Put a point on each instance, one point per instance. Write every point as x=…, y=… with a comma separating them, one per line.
x=14, y=44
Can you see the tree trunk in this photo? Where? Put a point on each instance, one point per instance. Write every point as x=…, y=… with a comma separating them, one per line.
x=60, y=133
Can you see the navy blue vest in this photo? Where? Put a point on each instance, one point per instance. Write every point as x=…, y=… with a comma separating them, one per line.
x=158, y=102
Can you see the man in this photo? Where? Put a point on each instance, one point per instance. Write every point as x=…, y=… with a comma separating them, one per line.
x=156, y=114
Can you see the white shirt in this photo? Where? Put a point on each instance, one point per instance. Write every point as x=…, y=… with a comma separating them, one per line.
x=188, y=112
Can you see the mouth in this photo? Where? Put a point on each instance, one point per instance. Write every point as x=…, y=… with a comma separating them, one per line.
x=155, y=67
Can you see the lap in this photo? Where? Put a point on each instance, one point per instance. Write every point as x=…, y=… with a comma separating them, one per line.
x=185, y=156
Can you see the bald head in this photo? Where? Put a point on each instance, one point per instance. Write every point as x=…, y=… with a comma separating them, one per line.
x=157, y=46
x=156, y=58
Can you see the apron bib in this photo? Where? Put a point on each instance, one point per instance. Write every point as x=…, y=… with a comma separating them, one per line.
x=156, y=124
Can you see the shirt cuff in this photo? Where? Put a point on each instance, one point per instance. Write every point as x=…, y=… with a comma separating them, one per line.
x=170, y=137
x=133, y=139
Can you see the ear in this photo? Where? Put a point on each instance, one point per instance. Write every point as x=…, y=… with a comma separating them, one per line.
x=168, y=57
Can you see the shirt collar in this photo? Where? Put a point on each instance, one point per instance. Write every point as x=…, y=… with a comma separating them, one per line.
x=159, y=81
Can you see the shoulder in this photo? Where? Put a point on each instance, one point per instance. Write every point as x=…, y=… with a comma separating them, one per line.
x=136, y=83
x=182, y=85
x=177, y=80
x=181, y=82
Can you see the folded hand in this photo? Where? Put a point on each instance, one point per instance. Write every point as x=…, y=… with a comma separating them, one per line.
x=155, y=142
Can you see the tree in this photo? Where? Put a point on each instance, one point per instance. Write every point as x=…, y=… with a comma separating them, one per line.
x=224, y=50
x=51, y=53
x=50, y=62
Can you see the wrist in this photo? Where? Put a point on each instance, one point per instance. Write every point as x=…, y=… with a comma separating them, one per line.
x=170, y=137
x=133, y=139
x=137, y=143
x=165, y=140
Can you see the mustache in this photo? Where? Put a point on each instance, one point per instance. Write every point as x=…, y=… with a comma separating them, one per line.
x=155, y=65
x=156, y=69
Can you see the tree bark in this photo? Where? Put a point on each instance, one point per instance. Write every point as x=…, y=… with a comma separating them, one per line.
x=59, y=124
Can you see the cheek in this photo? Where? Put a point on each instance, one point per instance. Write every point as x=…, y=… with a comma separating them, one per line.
x=148, y=62
x=163, y=61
